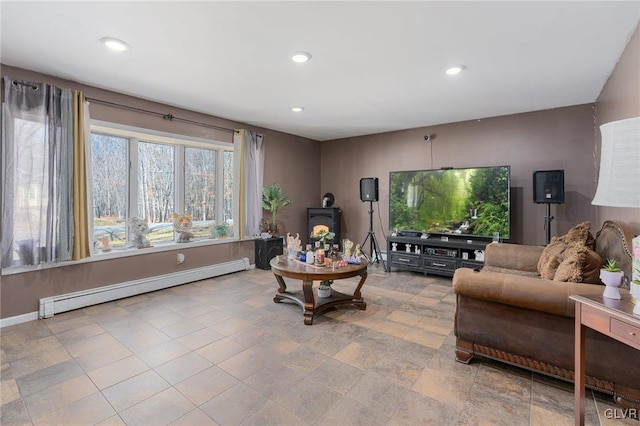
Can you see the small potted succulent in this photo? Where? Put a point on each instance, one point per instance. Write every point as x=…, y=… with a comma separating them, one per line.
x=325, y=288
x=611, y=276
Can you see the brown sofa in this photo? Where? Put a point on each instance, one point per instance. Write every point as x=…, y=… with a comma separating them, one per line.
x=508, y=313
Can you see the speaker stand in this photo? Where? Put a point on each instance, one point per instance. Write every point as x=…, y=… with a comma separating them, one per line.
x=374, y=248
x=547, y=224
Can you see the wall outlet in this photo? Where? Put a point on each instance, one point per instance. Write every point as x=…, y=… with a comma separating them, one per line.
x=180, y=258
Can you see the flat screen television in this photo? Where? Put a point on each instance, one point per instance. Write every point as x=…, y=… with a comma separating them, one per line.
x=463, y=201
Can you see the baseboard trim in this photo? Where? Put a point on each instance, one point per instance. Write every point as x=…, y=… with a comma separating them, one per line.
x=50, y=306
x=18, y=319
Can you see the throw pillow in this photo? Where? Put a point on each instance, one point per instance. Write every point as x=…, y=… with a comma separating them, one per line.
x=552, y=256
x=556, y=252
x=581, y=265
x=580, y=234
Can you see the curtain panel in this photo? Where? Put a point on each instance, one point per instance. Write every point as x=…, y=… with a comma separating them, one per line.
x=38, y=163
x=249, y=148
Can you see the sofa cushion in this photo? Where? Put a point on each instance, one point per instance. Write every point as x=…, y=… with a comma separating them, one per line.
x=563, y=247
x=580, y=265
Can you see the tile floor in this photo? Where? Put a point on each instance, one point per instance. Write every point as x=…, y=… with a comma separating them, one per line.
x=219, y=351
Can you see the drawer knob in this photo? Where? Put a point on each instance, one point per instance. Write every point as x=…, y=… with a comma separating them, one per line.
x=632, y=333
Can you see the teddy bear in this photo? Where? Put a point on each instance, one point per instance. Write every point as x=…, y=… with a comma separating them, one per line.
x=138, y=228
x=182, y=224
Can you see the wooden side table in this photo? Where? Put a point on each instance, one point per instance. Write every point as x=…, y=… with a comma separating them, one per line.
x=611, y=317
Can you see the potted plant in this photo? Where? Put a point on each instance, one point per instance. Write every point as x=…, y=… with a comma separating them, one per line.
x=221, y=231
x=325, y=288
x=272, y=199
x=324, y=236
x=611, y=276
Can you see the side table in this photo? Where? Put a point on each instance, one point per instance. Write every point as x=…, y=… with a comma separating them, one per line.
x=611, y=317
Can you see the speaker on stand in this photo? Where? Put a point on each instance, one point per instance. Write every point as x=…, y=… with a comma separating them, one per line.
x=548, y=188
x=369, y=192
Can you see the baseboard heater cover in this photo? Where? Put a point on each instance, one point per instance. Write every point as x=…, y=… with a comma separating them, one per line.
x=49, y=306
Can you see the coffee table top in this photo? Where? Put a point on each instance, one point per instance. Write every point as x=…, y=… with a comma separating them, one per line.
x=300, y=270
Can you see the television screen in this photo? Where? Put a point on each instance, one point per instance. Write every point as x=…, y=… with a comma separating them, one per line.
x=470, y=201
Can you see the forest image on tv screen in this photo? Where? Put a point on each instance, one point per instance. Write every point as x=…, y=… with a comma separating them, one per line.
x=472, y=201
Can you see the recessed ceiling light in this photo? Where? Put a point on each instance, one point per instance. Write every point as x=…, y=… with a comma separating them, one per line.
x=297, y=109
x=454, y=69
x=300, y=57
x=115, y=44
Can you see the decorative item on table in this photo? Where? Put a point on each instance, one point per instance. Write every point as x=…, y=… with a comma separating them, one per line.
x=309, y=256
x=347, y=246
x=408, y=248
x=272, y=199
x=182, y=225
x=479, y=254
x=417, y=249
x=336, y=264
x=293, y=245
x=611, y=276
x=324, y=238
x=325, y=288
x=319, y=255
x=394, y=246
x=138, y=228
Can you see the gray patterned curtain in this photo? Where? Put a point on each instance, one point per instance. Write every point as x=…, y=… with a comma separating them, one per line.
x=37, y=170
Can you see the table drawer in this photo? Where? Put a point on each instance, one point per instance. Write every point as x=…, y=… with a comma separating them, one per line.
x=627, y=332
x=404, y=259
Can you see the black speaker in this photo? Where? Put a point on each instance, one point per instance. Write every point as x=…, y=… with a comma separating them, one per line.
x=548, y=187
x=267, y=250
x=369, y=189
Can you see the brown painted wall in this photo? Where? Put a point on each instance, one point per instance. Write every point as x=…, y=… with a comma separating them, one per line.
x=620, y=99
x=290, y=160
x=544, y=140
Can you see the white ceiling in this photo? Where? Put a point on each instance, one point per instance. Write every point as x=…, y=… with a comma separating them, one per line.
x=376, y=66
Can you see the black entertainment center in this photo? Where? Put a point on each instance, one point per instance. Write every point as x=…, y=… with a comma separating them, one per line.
x=439, y=255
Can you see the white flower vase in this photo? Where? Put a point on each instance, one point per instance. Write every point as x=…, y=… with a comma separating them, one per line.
x=612, y=281
x=324, y=292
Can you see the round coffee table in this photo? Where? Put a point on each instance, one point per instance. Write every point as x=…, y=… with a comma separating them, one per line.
x=308, y=298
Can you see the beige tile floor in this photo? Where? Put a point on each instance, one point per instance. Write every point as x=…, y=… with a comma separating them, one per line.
x=219, y=351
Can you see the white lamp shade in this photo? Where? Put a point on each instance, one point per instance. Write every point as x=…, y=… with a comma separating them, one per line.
x=619, y=179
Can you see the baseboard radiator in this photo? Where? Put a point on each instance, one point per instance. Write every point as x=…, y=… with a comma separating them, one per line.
x=49, y=306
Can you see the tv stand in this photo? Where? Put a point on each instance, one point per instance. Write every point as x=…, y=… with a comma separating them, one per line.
x=438, y=254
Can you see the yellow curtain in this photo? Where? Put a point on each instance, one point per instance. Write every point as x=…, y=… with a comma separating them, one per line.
x=81, y=245
x=238, y=145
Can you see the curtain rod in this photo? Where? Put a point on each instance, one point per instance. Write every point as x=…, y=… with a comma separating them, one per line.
x=169, y=117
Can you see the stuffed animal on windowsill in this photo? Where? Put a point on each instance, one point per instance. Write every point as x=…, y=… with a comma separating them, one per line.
x=182, y=224
x=138, y=229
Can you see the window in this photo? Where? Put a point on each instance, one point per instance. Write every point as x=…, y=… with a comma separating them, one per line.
x=152, y=176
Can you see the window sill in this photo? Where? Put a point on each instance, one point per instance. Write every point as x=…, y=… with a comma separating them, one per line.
x=116, y=253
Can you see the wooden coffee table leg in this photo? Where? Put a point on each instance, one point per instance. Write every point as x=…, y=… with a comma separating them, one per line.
x=282, y=288
x=356, y=293
x=309, y=302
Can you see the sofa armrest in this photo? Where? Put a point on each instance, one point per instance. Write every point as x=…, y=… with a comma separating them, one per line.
x=513, y=256
x=524, y=292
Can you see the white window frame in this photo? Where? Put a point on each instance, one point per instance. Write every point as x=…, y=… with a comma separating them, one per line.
x=136, y=134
